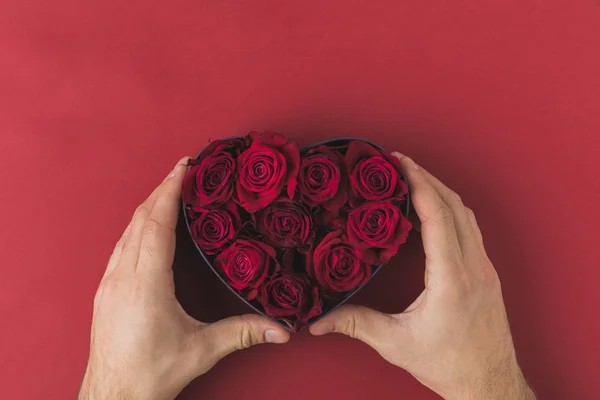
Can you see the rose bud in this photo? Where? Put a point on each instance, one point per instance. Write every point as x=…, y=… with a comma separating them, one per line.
x=214, y=228
x=290, y=296
x=322, y=179
x=285, y=223
x=246, y=265
x=269, y=164
x=211, y=178
x=336, y=265
x=374, y=175
x=377, y=230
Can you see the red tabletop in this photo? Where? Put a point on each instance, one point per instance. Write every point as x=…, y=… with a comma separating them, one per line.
x=99, y=99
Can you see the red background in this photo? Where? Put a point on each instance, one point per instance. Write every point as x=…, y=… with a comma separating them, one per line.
x=98, y=100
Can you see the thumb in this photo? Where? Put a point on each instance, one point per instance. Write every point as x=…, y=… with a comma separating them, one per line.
x=372, y=327
x=241, y=332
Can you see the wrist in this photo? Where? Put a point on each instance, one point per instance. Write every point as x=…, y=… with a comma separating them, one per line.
x=513, y=387
x=92, y=389
x=104, y=386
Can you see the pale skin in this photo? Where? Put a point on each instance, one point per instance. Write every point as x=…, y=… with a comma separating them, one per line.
x=454, y=338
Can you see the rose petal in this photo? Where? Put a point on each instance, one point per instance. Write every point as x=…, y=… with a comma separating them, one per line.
x=357, y=150
x=269, y=164
x=392, y=232
x=256, y=263
x=292, y=154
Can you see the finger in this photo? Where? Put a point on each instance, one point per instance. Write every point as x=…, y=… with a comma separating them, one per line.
x=369, y=326
x=240, y=332
x=130, y=249
x=461, y=219
x=440, y=240
x=158, y=237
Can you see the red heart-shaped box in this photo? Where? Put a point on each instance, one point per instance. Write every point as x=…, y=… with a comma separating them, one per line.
x=339, y=142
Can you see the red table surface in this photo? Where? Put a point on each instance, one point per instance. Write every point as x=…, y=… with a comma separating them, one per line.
x=98, y=100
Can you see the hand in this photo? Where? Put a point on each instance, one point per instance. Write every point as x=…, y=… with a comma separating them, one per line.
x=143, y=344
x=454, y=338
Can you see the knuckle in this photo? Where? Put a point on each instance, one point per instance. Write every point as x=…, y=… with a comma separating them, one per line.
x=244, y=333
x=444, y=213
x=109, y=284
x=351, y=325
x=455, y=198
x=141, y=212
x=152, y=226
x=98, y=298
x=107, y=288
x=471, y=217
x=490, y=275
x=123, y=239
x=470, y=213
x=245, y=337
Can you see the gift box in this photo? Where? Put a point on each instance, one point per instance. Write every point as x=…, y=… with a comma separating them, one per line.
x=295, y=233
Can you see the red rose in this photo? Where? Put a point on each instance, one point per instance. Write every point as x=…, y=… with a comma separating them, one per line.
x=322, y=179
x=336, y=265
x=211, y=178
x=285, y=223
x=246, y=264
x=214, y=228
x=290, y=296
x=377, y=230
x=270, y=163
x=374, y=175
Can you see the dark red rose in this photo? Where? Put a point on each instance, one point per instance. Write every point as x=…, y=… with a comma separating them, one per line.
x=287, y=295
x=269, y=164
x=213, y=228
x=336, y=265
x=246, y=265
x=211, y=178
x=285, y=223
x=374, y=175
x=377, y=230
x=322, y=179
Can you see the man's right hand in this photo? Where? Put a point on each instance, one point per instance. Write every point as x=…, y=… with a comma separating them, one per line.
x=454, y=338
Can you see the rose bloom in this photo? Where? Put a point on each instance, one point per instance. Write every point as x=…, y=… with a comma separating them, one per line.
x=246, y=265
x=322, y=179
x=336, y=265
x=377, y=230
x=211, y=178
x=285, y=223
x=214, y=228
x=374, y=175
x=269, y=164
x=286, y=295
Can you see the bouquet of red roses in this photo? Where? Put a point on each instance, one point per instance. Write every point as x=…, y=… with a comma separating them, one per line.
x=295, y=234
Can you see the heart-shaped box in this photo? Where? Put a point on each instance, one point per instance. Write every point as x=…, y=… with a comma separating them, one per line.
x=339, y=142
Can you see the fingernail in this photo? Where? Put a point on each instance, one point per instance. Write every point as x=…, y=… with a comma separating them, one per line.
x=180, y=164
x=273, y=336
x=321, y=328
x=398, y=155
